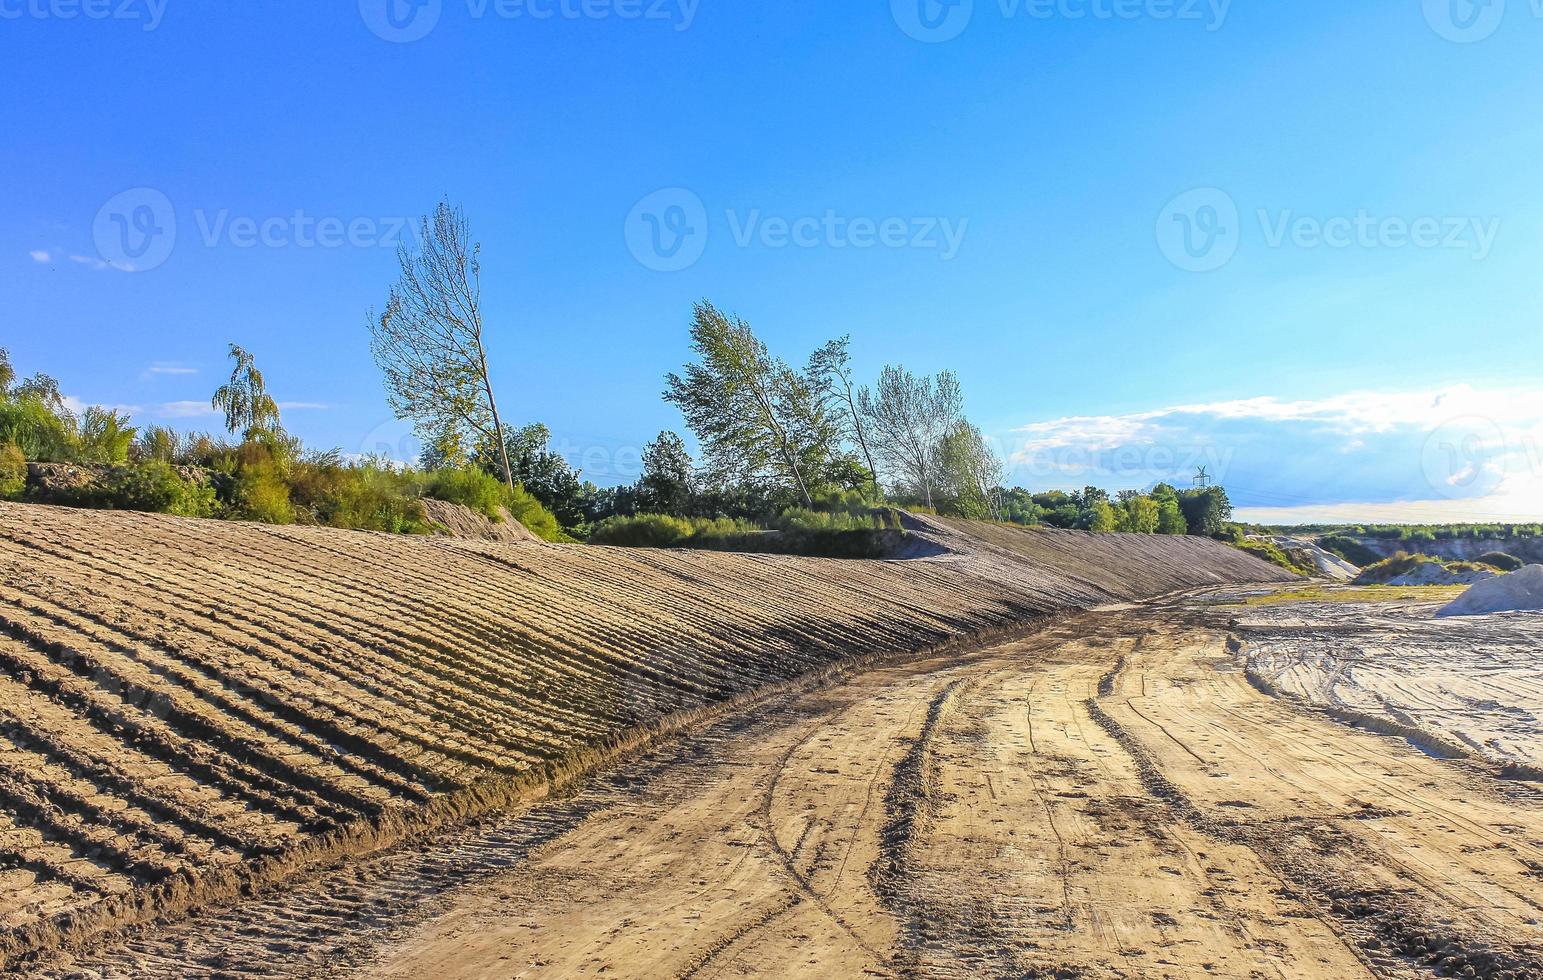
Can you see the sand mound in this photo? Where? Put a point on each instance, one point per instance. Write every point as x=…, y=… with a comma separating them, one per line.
x=1517, y=592
x=456, y=521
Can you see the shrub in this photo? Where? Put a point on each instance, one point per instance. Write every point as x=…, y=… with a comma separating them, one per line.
x=154, y=487
x=1388, y=569
x=484, y=493
x=1349, y=549
x=104, y=436
x=1272, y=553
x=1502, y=561
x=13, y=472
x=36, y=430
x=364, y=496
x=643, y=531
x=262, y=495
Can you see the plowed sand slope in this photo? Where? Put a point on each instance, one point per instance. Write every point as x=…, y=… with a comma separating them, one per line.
x=187, y=707
x=1106, y=798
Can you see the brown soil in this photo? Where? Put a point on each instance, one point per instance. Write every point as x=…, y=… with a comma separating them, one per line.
x=192, y=709
x=1108, y=797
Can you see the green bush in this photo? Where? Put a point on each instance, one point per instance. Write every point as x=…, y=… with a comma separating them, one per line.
x=262, y=495
x=799, y=532
x=1502, y=561
x=1272, y=553
x=34, y=428
x=13, y=472
x=484, y=493
x=1388, y=569
x=643, y=531
x=154, y=487
x=362, y=496
x=1349, y=549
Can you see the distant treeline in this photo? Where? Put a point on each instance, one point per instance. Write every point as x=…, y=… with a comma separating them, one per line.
x=1419, y=532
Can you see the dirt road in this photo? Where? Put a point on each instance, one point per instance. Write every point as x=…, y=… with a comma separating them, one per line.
x=1108, y=798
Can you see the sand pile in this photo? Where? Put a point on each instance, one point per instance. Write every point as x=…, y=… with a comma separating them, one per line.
x=1519, y=591
x=456, y=521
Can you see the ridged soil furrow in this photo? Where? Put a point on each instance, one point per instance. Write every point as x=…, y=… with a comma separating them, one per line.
x=217, y=611
x=84, y=799
x=115, y=780
x=60, y=816
x=274, y=646
x=63, y=871
x=260, y=705
x=607, y=628
x=73, y=742
x=214, y=716
x=113, y=716
x=568, y=638
x=452, y=662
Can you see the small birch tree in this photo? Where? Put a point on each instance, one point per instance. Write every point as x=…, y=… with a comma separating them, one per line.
x=428, y=342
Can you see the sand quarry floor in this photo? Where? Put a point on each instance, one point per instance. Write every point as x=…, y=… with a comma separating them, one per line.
x=1112, y=795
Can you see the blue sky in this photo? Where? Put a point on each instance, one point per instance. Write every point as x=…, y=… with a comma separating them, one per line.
x=1299, y=243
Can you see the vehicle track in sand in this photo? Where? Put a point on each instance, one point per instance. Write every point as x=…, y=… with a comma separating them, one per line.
x=1108, y=797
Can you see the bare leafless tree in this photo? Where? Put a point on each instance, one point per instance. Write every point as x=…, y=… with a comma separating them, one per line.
x=429, y=341
x=909, y=416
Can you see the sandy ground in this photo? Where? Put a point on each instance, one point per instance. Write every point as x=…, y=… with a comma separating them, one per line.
x=1473, y=683
x=1110, y=797
x=191, y=709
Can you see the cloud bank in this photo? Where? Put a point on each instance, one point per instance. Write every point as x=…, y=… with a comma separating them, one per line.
x=1455, y=453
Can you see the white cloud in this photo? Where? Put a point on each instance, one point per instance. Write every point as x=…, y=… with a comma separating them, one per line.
x=184, y=410
x=167, y=368
x=1475, y=452
x=40, y=255
x=93, y=263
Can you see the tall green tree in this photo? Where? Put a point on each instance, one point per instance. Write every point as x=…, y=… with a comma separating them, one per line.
x=969, y=473
x=832, y=364
x=428, y=342
x=908, y=417
x=668, y=483
x=755, y=417
x=244, y=399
